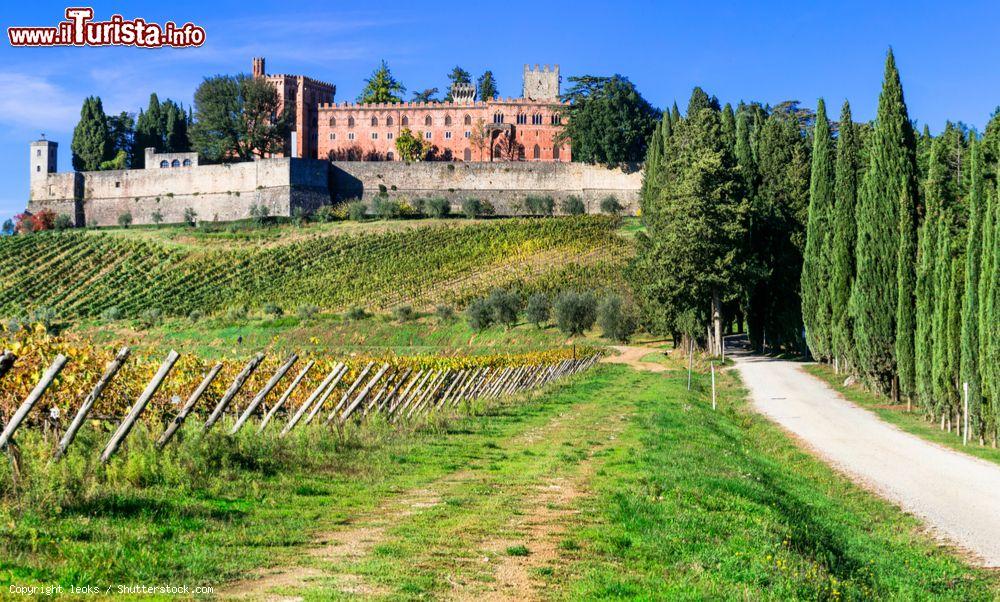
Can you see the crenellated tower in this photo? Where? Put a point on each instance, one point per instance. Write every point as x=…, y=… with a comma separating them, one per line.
x=541, y=83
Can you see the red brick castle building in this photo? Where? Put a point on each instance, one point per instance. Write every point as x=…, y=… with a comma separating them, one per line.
x=465, y=129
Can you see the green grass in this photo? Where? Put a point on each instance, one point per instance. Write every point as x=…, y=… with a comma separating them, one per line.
x=912, y=422
x=675, y=502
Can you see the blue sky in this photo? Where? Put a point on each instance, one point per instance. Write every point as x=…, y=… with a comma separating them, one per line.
x=768, y=51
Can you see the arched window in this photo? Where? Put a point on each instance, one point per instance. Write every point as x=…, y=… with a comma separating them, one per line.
x=350, y=122
x=404, y=120
x=374, y=121
x=175, y=163
x=333, y=122
x=39, y=168
x=468, y=120
x=467, y=155
x=388, y=120
x=164, y=164
x=536, y=119
x=536, y=153
x=447, y=119
x=555, y=153
x=556, y=119
x=389, y=156
x=187, y=163
x=498, y=118
x=428, y=121
x=522, y=119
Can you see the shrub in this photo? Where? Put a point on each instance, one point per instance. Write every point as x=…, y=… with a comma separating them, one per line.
x=273, y=310
x=572, y=205
x=575, y=312
x=386, y=208
x=506, y=305
x=517, y=551
x=445, y=313
x=357, y=210
x=62, y=222
x=486, y=208
x=195, y=315
x=326, y=213
x=15, y=324
x=540, y=205
x=404, y=313
x=125, y=219
x=157, y=217
x=190, y=217
x=479, y=315
x=616, y=321
x=538, y=309
x=111, y=314
x=307, y=311
x=611, y=206
x=300, y=215
x=357, y=313
x=150, y=317
x=46, y=316
x=472, y=207
x=236, y=314
x=438, y=207
x=260, y=213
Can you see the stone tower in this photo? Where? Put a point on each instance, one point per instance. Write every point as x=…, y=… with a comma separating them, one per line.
x=463, y=92
x=43, y=159
x=258, y=66
x=541, y=83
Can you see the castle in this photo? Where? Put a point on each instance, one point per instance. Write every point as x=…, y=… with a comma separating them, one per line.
x=500, y=150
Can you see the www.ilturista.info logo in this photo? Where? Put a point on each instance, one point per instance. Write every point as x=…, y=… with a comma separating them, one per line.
x=80, y=29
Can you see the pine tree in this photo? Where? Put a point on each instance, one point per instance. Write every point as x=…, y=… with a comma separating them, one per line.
x=457, y=76
x=675, y=114
x=382, y=87
x=816, y=311
x=729, y=127
x=844, y=231
x=906, y=282
x=874, y=297
x=486, y=86
x=92, y=144
x=970, y=307
x=701, y=100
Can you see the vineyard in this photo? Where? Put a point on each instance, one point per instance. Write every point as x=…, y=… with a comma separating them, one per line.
x=82, y=274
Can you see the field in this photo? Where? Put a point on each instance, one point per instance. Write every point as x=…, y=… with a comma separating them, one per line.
x=380, y=265
x=614, y=484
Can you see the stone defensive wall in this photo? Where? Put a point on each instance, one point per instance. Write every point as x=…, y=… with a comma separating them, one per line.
x=504, y=184
x=216, y=192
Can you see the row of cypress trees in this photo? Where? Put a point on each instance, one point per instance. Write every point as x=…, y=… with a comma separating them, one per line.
x=899, y=279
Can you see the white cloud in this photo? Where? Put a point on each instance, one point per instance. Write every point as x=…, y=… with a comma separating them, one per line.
x=28, y=101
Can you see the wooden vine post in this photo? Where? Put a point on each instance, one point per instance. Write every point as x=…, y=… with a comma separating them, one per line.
x=284, y=397
x=126, y=426
x=31, y=400
x=81, y=415
x=263, y=393
x=181, y=416
x=233, y=389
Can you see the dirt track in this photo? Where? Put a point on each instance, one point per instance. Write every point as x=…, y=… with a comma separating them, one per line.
x=957, y=496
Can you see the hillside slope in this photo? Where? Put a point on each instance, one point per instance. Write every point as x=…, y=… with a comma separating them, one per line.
x=81, y=274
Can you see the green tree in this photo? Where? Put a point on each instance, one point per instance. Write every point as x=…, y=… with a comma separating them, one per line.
x=411, y=147
x=486, y=86
x=906, y=282
x=701, y=100
x=844, y=231
x=457, y=76
x=92, y=144
x=892, y=165
x=382, y=87
x=969, y=370
x=989, y=309
x=427, y=95
x=729, y=127
x=148, y=131
x=239, y=117
x=926, y=290
x=609, y=121
x=816, y=269
x=121, y=128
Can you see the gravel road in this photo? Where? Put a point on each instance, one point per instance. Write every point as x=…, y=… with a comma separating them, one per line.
x=957, y=495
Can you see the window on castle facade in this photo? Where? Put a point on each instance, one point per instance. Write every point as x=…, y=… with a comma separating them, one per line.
x=388, y=121
x=187, y=163
x=388, y=136
x=350, y=122
x=447, y=135
x=522, y=119
x=404, y=120
x=536, y=153
x=333, y=136
x=536, y=119
x=374, y=135
x=447, y=119
x=555, y=153
x=374, y=121
x=556, y=120
x=333, y=122
x=428, y=121
x=38, y=152
x=468, y=134
x=164, y=164
x=427, y=135
x=467, y=120
x=350, y=135
x=467, y=155
x=498, y=118
x=520, y=152
x=175, y=163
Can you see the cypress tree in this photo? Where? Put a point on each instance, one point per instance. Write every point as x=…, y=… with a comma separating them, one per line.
x=92, y=144
x=940, y=369
x=654, y=158
x=744, y=153
x=970, y=305
x=989, y=311
x=729, y=127
x=675, y=115
x=926, y=279
x=874, y=296
x=842, y=256
x=816, y=312
x=906, y=282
